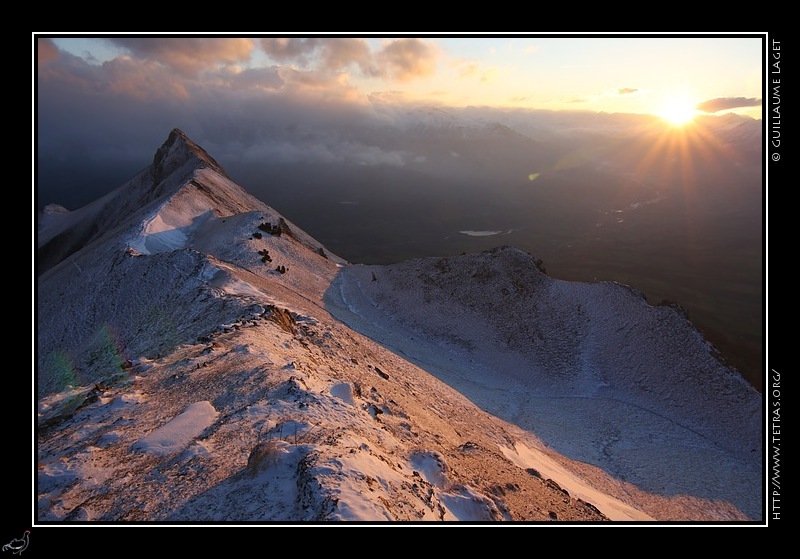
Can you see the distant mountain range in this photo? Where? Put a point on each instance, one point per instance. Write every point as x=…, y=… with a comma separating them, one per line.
x=202, y=358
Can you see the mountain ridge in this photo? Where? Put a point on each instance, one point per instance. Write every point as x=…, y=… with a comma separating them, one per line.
x=192, y=202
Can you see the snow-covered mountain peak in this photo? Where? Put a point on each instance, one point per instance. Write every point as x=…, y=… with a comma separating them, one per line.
x=159, y=209
x=176, y=151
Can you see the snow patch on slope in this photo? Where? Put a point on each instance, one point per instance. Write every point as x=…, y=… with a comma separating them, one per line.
x=179, y=431
x=172, y=225
x=526, y=458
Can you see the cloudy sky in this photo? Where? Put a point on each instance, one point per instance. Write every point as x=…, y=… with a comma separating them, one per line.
x=116, y=97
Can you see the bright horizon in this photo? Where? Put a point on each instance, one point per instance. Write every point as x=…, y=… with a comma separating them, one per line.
x=644, y=75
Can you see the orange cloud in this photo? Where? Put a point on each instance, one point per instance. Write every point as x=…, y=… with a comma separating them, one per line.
x=339, y=53
x=188, y=55
x=406, y=59
x=308, y=78
x=142, y=79
x=725, y=103
x=254, y=78
x=401, y=60
x=331, y=54
x=124, y=76
x=320, y=85
x=289, y=49
x=46, y=51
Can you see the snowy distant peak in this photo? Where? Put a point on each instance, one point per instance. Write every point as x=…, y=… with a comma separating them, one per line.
x=182, y=168
x=49, y=214
x=183, y=183
x=54, y=209
x=175, y=152
x=433, y=117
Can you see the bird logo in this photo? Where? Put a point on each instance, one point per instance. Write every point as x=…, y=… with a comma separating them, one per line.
x=18, y=545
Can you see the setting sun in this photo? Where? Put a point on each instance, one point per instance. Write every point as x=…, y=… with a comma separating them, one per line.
x=678, y=111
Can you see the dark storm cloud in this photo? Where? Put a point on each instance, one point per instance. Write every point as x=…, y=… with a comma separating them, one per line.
x=188, y=55
x=626, y=90
x=724, y=103
x=96, y=125
x=99, y=124
x=100, y=111
x=116, y=114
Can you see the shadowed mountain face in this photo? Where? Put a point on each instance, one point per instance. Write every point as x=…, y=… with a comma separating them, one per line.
x=597, y=373
x=197, y=345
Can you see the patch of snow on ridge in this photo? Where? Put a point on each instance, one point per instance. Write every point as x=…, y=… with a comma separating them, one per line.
x=465, y=504
x=343, y=391
x=159, y=236
x=526, y=458
x=352, y=479
x=432, y=466
x=172, y=224
x=167, y=231
x=177, y=433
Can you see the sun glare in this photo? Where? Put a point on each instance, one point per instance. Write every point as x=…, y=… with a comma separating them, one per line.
x=678, y=111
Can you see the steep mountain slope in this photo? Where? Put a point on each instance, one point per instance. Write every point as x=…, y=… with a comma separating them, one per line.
x=286, y=420
x=597, y=373
x=201, y=358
